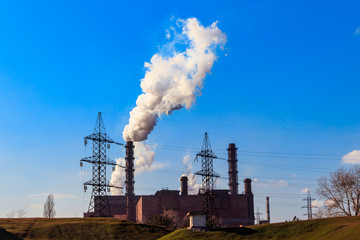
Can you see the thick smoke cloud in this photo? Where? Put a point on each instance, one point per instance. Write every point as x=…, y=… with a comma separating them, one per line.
x=173, y=81
x=193, y=187
x=118, y=177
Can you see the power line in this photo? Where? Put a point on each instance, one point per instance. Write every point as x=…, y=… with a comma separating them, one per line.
x=293, y=155
x=281, y=166
x=292, y=185
x=171, y=147
x=234, y=125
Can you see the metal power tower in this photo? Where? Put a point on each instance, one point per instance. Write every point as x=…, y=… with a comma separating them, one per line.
x=208, y=176
x=309, y=207
x=258, y=213
x=99, y=204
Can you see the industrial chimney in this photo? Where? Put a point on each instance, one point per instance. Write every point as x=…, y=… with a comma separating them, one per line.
x=233, y=178
x=247, y=185
x=267, y=210
x=184, y=185
x=250, y=201
x=130, y=201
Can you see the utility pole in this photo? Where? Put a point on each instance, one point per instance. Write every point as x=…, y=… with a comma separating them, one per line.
x=208, y=176
x=309, y=207
x=268, y=210
x=99, y=203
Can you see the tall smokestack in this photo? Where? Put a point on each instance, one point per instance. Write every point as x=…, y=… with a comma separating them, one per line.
x=267, y=210
x=130, y=204
x=184, y=185
x=233, y=177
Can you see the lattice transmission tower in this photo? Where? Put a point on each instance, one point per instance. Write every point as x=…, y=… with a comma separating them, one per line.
x=99, y=203
x=258, y=213
x=309, y=206
x=208, y=176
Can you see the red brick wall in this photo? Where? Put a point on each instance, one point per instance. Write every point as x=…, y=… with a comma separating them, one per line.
x=233, y=210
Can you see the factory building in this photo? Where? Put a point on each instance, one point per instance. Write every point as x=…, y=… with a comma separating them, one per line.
x=232, y=209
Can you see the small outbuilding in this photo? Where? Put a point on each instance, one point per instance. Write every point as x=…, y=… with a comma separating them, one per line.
x=197, y=220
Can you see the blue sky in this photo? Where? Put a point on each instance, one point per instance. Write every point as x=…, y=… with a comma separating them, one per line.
x=285, y=90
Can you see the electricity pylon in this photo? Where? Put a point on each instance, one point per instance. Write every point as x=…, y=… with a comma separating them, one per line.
x=99, y=203
x=309, y=206
x=208, y=176
x=258, y=213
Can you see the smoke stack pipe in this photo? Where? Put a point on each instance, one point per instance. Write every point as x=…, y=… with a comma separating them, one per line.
x=267, y=210
x=247, y=185
x=250, y=201
x=130, y=204
x=233, y=178
x=184, y=185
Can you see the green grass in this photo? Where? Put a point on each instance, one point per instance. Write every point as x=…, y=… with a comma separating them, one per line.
x=77, y=228
x=320, y=229
x=347, y=228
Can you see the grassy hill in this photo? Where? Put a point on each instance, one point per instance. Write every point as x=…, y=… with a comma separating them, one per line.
x=319, y=229
x=107, y=228
x=77, y=228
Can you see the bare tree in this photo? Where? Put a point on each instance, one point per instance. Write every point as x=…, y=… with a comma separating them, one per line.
x=21, y=213
x=11, y=214
x=49, y=207
x=342, y=190
x=173, y=215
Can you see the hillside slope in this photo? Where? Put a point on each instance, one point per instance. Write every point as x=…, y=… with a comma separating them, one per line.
x=77, y=228
x=319, y=229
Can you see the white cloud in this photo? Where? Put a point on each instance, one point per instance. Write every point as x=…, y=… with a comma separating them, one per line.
x=352, y=157
x=318, y=204
x=305, y=190
x=167, y=34
x=56, y=196
x=271, y=183
x=357, y=32
x=329, y=202
x=322, y=204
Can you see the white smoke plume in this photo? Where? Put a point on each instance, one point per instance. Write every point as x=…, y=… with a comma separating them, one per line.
x=193, y=187
x=144, y=159
x=173, y=82
x=118, y=177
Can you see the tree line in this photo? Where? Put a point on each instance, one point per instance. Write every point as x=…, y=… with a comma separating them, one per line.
x=341, y=192
x=49, y=209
